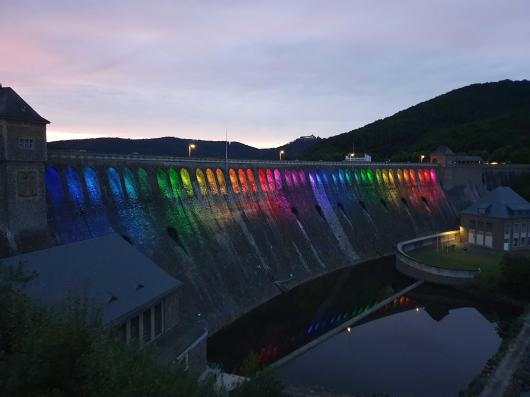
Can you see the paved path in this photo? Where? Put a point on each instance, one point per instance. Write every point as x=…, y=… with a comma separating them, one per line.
x=501, y=378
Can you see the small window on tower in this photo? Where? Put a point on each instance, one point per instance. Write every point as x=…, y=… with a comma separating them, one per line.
x=25, y=143
x=27, y=183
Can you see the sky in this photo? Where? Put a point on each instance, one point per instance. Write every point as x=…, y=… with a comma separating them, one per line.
x=267, y=71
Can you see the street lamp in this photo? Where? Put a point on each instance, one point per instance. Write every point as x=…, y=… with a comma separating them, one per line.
x=282, y=152
x=421, y=158
x=191, y=146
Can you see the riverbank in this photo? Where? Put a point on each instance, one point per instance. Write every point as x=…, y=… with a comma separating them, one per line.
x=496, y=376
x=501, y=379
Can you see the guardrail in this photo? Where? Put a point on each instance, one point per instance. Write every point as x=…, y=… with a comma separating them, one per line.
x=412, y=267
x=77, y=155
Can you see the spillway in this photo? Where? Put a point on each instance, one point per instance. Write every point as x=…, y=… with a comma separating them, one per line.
x=237, y=234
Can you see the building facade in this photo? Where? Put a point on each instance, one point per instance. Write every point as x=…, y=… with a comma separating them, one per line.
x=499, y=221
x=446, y=157
x=22, y=161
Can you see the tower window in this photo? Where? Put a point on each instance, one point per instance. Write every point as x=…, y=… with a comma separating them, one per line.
x=27, y=184
x=26, y=143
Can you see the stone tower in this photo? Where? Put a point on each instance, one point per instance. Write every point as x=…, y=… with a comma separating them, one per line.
x=22, y=159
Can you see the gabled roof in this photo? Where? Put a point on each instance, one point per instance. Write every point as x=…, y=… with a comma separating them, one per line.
x=442, y=149
x=13, y=107
x=501, y=202
x=107, y=271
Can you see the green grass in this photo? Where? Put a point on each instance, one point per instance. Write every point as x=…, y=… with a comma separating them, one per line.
x=489, y=263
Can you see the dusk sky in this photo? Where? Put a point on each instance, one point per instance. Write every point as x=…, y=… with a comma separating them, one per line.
x=269, y=71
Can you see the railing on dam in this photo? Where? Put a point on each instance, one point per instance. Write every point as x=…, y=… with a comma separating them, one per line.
x=419, y=270
x=60, y=155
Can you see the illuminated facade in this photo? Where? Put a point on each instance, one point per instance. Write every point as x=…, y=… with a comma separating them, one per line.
x=500, y=221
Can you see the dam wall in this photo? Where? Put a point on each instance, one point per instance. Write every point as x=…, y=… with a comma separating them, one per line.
x=239, y=233
x=466, y=183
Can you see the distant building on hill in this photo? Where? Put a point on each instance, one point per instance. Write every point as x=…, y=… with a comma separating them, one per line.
x=446, y=157
x=308, y=137
x=500, y=221
x=358, y=157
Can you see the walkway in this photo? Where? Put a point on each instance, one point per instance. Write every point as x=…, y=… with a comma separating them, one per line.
x=501, y=378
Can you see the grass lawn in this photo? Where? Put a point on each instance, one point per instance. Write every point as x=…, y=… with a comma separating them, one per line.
x=489, y=264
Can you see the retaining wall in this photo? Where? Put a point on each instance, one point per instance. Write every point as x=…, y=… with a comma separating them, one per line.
x=422, y=271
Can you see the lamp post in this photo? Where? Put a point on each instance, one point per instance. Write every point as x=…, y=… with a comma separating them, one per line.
x=282, y=152
x=421, y=158
x=191, y=146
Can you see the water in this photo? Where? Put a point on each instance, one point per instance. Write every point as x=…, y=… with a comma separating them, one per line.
x=431, y=341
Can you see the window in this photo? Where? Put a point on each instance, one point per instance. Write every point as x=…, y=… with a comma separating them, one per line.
x=134, y=336
x=507, y=229
x=122, y=333
x=158, y=319
x=146, y=319
x=25, y=143
x=27, y=183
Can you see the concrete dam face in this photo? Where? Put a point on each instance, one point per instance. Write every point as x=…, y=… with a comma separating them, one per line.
x=238, y=234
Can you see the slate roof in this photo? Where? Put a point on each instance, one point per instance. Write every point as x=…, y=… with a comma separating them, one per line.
x=13, y=107
x=107, y=271
x=501, y=202
x=442, y=149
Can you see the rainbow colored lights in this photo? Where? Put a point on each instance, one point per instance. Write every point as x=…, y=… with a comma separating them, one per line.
x=177, y=183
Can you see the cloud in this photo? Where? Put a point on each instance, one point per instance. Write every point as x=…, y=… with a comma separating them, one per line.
x=267, y=70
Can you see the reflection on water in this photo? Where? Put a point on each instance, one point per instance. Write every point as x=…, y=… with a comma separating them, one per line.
x=431, y=341
x=304, y=314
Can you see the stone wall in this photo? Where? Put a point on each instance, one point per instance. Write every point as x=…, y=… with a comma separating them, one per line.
x=238, y=235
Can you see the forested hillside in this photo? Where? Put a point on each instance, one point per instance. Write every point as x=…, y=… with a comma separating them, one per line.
x=491, y=119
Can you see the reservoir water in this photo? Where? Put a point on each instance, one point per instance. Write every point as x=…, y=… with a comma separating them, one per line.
x=352, y=331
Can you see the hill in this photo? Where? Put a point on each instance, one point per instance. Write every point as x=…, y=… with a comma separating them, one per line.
x=491, y=119
x=171, y=146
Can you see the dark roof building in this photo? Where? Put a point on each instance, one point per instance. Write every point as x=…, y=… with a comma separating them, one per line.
x=107, y=271
x=500, y=220
x=13, y=107
x=445, y=157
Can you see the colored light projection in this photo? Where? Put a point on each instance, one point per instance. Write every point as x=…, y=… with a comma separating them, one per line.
x=174, y=181
x=145, y=184
x=163, y=185
x=115, y=185
x=132, y=187
x=75, y=187
x=221, y=181
x=211, y=181
x=92, y=187
x=186, y=181
x=54, y=187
